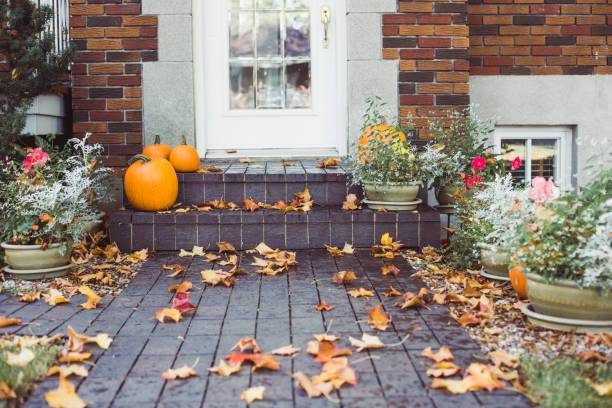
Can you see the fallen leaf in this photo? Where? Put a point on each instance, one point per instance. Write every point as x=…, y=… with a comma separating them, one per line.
x=285, y=351
x=215, y=277
x=387, y=269
x=312, y=390
x=482, y=377
x=181, y=288
x=329, y=162
x=231, y=151
x=259, y=360
x=54, y=297
x=232, y=261
x=74, y=357
x=443, y=354
x=602, y=390
x=6, y=392
x=141, y=255
x=20, y=359
x=287, y=164
x=367, y=342
x=592, y=355
x=337, y=371
x=325, y=337
x=344, y=276
x=334, y=251
x=245, y=160
x=386, y=239
x=360, y=292
x=183, y=372
x=225, y=247
x=181, y=303
x=68, y=370
x=9, y=321
x=323, y=306
x=179, y=271
x=468, y=319
x=253, y=393
x=64, y=396
x=103, y=340
x=250, y=205
x=379, y=320
x=351, y=202
x=29, y=297
x=247, y=344
x=348, y=249
x=92, y=297
x=224, y=369
x=493, y=331
x=443, y=369
x=392, y=292
x=324, y=350
x=410, y=299
x=76, y=341
x=173, y=314
x=503, y=358
x=454, y=386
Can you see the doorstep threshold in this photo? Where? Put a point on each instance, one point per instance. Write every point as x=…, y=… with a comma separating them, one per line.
x=269, y=154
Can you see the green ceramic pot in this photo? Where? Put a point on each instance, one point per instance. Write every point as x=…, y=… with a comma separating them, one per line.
x=27, y=257
x=391, y=192
x=566, y=299
x=494, y=261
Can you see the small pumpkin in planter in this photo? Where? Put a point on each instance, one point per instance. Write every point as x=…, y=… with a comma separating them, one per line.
x=150, y=184
x=184, y=158
x=519, y=281
x=157, y=149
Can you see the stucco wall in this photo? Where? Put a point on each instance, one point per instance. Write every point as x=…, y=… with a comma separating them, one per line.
x=584, y=102
x=168, y=99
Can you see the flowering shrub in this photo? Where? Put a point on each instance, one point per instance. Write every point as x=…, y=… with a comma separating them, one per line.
x=571, y=236
x=51, y=197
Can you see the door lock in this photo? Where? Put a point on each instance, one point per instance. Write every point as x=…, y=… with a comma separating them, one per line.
x=325, y=19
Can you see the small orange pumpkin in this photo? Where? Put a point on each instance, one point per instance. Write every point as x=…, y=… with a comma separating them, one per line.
x=383, y=133
x=150, y=184
x=519, y=282
x=157, y=149
x=184, y=158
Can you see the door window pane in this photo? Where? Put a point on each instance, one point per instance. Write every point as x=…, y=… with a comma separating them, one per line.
x=269, y=91
x=269, y=55
x=241, y=34
x=242, y=93
x=297, y=40
x=298, y=85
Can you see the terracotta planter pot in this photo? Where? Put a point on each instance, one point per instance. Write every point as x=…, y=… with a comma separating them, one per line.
x=567, y=300
x=33, y=262
x=494, y=261
x=393, y=196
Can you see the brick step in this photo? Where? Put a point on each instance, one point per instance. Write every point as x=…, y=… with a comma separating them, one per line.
x=266, y=181
x=135, y=230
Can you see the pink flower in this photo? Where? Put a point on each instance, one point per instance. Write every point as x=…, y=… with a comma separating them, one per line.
x=472, y=181
x=542, y=190
x=516, y=163
x=37, y=158
x=479, y=163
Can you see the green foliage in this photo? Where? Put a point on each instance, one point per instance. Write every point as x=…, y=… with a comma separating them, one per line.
x=23, y=380
x=563, y=383
x=34, y=65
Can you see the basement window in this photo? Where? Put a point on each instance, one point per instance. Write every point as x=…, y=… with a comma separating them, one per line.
x=544, y=151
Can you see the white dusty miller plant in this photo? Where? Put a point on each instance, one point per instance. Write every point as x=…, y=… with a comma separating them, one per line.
x=596, y=256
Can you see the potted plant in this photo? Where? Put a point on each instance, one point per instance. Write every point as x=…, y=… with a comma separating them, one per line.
x=566, y=254
x=47, y=204
x=387, y=166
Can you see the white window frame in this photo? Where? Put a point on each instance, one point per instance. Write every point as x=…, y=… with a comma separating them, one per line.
x=563, y=136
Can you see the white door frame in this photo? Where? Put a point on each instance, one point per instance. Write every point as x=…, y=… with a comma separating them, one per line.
x=340, y=36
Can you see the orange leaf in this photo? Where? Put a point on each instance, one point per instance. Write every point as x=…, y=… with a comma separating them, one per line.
x=483, y=377
x=6, y=392
x=9, y=321
x=344, y=276
x=392, y=292
x=173, y=314
x=74, y=357
x=181, y=288
x=454, y=386
x=29, y=297
x=226, y=247
x=224, y=369
x=329, y=162
x=387, y=269
x=285, y=351
x=75, y=341
x=351, y=202
x=68, y=370
x=443, y=369
x=183, y=372
x=324, y=306
x=92, y=297
x=253, y=393
x=325, y=350
x=312, y=390
x=250, y=205
x=360, y=292
x=378, y=319
x=246, y=344
x=64, y=396
x=468, y=319
x=442, y=354
x=179, y=271
x=337, y=371
x=54, y=297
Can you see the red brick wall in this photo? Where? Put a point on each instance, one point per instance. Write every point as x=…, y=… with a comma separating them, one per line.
x=113, y=39
x=540, y=37
x=430, y=39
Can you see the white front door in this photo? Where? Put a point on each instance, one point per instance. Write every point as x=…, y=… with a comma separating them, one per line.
x=267, y=82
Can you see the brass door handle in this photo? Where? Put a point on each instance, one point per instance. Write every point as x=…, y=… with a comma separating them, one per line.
x=325, y=19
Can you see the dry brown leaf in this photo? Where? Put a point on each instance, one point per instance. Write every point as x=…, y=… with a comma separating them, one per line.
x=68, y=370
x=443, y=369
x=6, y=392
x=215, y=277
x=74, y=357
x=29, y=297
x=183, y=372
x=285, y=351
x=351, y=203
x=367, y=342
x=379, y=320
x=443, y=354
x=247, y=344
x=387, y=269
x=64, y=396
x=224, y=369
x=324, y=350
x=329, y=162
x=392, y=292
x=225, y=247
x=468, y=319
x=344, y=276
x=173, y=314
x=602, y=390
x=325, y=337
x=245, y=160
x=54, y=297
x=9, y=321
x=253, y=393
x=312, y=390
x=503, y=358
x=181, y=288
x=92, y=297
x=360, y=292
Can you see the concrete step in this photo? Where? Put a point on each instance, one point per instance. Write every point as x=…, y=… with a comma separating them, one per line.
x=323, y=225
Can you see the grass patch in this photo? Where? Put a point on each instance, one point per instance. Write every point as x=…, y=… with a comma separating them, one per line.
x=24, y=380
x=563, y=383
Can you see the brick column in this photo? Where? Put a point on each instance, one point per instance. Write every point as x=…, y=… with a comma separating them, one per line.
x=114, y=40
x=430, y=39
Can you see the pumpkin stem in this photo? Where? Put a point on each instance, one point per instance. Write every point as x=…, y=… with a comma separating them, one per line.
x=183, y=140
x=156, y=141
x=137, y=157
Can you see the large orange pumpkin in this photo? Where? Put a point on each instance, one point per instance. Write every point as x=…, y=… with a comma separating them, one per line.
x=383, y=133
x=184, y=158
x=519, y=282
x=150, y=184
x=157, y=149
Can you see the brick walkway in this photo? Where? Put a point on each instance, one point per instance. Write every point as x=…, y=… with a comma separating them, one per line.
x=277, y=311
